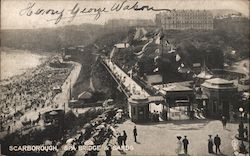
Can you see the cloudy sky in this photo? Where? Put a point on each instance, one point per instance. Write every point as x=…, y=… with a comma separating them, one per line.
x=25, y=14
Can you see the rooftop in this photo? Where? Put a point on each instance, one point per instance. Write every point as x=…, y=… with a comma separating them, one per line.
x=219, y=81
x=173, y=87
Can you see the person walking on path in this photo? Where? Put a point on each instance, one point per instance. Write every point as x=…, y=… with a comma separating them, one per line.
x=108, y=150
x=119, y=140
x=124, y=138
x=179, y=145
x=217, y=142
x=210, y=144
x=185, y=144
x=135, y=133
x=224, y=121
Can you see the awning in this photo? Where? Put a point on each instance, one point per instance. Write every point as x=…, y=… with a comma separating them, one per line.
x=201, y=97
x=155, y=99
x=204, y=75
x=85, y=95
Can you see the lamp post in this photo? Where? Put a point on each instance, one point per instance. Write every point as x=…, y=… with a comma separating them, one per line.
x=241, y=110
x=241, y=125
x=242, y=147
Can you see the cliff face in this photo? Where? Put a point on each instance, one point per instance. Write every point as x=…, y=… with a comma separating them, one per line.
x=93, y=76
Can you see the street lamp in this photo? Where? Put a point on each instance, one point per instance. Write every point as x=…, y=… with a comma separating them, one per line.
x=241, y=110
x=241, y=125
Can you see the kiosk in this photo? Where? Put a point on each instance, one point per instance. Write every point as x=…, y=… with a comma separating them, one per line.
x=138, y=107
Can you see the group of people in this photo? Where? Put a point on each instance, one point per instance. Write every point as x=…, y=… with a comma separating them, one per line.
x=121, y=139
x=155, y=116
x=211, y=142
x=31, y=90
x=184, y=142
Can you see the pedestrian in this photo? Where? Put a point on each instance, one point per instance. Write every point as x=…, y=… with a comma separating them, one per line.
x=119, y=140
x=179, y=145
x=154, y=116
x=135, y=133
x=246, y=132
x=8, y=129
x=108, y=150
x=224, y=122
x=217, y=142
x=185, y=144
x=124, y=138
x=210, y=144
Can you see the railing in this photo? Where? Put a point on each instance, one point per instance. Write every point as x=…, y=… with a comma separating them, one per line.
x=117, y=81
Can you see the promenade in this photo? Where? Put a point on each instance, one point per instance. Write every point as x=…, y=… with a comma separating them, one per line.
x=160, y=139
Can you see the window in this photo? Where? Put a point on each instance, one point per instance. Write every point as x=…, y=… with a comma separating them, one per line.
x=214, y=106
x=134, y=111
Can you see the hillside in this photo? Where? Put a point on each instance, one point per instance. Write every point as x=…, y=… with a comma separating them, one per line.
x=51, y=39
x=227, y=43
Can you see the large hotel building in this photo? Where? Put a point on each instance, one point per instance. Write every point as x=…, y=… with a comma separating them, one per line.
x=185, y=19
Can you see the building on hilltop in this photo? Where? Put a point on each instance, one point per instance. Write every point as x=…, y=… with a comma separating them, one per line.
x=185, y=19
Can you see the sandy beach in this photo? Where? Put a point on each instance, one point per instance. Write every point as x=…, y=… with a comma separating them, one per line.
x=33, y=89
x=16, y=62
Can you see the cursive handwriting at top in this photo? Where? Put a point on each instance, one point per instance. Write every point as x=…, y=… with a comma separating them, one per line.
x=76, y=11
x=28, y=11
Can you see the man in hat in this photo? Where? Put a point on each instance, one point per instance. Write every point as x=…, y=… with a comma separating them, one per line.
x=108, y=150
x=185, y=144
x=224, y=122
x=135, y=133
x=217, y=142
x=119, y=140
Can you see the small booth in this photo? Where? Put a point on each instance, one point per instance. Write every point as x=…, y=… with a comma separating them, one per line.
x=138, y=107
x=222, y=96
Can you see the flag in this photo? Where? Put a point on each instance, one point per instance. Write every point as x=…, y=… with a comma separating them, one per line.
x=137, y=34
x=112, y=53
x=177, y=58
x=171, y=50
x=157, y=51
x=156, y=70
x=96, y=46
x=130, y=73
x=167, y=42
x=158, y=39
x=119, y=88
x=155, y=59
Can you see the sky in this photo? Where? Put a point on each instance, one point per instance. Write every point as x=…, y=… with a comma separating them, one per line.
x=25, y=14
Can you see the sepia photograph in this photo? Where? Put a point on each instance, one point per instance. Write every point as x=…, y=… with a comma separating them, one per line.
x=124, y=78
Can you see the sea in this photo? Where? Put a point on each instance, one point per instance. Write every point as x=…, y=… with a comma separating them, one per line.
x=16, y=62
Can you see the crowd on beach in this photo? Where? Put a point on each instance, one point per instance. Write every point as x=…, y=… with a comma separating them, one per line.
x=30, y=90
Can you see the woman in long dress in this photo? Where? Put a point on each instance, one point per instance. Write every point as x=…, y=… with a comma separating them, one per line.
x=210, y=144
x=179, y=145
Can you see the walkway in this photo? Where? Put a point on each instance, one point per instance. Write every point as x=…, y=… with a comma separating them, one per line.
x=160, y=139
x=133, y=88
